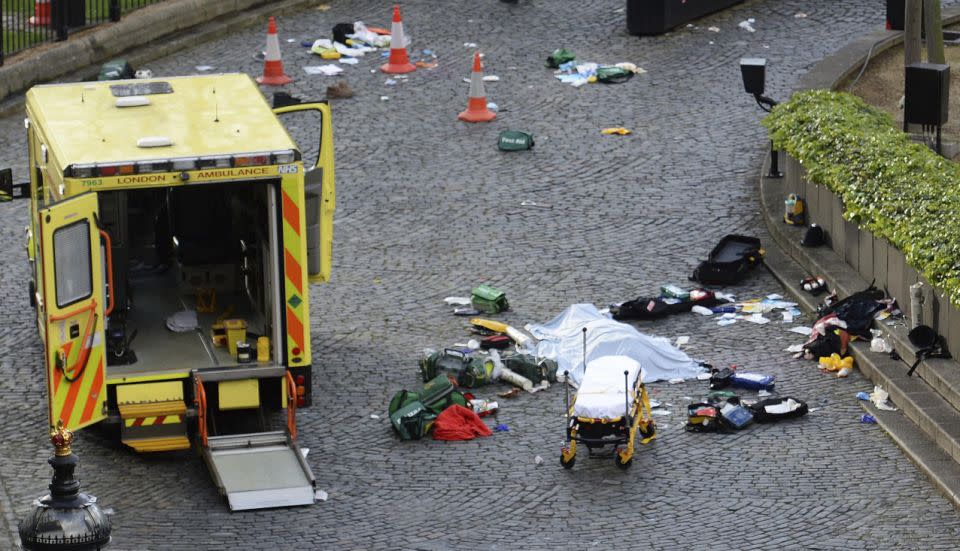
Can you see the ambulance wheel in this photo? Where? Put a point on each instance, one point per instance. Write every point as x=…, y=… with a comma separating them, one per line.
x=567, y=463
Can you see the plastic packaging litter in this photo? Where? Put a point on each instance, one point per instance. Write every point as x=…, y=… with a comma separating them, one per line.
x=879, y=398
x=458, y=301
x=863, y=396
x=748, y=25
x=703, y=311
x=538, y=460
x=879, y=344
x=868, y=419
x=320, y=495
x=501, y=428
x=362, y=33
x=724, y=309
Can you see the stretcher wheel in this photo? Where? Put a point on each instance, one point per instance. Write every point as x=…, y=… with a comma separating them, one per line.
x=623, y=464
x=567, y=463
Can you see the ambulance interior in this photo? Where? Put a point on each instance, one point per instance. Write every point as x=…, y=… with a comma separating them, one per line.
x=184, y=260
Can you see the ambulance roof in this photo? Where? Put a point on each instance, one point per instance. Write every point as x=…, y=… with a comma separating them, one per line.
x=200, y=115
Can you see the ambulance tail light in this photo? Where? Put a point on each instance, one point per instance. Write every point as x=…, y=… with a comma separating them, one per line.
x=284, y=157
x=189, y=163
x=256, y=159
x=149, y=167
x=217, y=161
x=115, y=169
x=83, y=171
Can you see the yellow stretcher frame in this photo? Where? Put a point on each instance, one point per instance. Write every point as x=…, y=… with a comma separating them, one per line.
x=640, y=418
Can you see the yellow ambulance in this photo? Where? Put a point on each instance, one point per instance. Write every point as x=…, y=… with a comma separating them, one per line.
x=173, y=235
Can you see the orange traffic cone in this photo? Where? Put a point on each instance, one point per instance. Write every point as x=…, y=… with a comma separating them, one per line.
x=41, y=13
x=398, y=62
x=272, y=66
x=477, y=104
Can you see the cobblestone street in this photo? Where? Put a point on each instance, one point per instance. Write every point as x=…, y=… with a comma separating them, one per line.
x=427, y=207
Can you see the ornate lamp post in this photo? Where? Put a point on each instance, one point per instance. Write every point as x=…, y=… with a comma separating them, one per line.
x=65, y=519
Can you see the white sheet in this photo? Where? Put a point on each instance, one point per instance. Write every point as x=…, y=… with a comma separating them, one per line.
x=561, y=339
x=602, y=393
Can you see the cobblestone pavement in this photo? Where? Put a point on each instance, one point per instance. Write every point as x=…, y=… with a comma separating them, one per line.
x=428, y=208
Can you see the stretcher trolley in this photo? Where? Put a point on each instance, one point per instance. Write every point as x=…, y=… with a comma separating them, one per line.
x=609, y=407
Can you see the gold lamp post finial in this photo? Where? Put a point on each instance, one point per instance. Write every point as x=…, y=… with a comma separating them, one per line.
x=61, y=438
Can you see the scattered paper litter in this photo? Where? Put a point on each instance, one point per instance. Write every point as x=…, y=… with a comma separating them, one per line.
x=757, y=318
x=457, y=301
x=702, y=310
x=349, y=60
x=713, y=29
x=774, y=296
x=491, y=78
x=802, y=330
x=655, y=403
x=304, y=452
x=661, y=412
x=204, y=67
x=328, y=70
x=108, y=511
x=320, y=495
x=374, y=416
x=682, y=341
x=675, y=381
x=724, y=322
x=763, y=393
x=469, y=44
x=748, y=25
x=703, y=377
x=794, y=348
x=787, y=317
x=800, y=15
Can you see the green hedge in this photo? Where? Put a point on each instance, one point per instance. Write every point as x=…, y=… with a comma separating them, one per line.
x=898, y=190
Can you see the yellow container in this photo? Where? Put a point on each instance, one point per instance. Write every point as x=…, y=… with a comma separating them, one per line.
x=218, y=335
x=236, y=332
x=263, y=349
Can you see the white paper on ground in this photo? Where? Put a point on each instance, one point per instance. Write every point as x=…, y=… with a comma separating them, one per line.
x=328, y=70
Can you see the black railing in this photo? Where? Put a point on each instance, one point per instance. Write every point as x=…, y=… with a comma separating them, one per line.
x=27, y=23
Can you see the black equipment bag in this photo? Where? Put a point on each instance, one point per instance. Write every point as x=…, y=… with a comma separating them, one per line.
x=657, y=307
x=729, y=261
x=775, y=409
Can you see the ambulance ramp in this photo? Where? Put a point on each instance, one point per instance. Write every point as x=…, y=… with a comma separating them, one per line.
x=259, y=470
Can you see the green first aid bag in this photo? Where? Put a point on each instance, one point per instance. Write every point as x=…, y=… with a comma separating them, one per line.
x=514, y=140
x=409, y=418
x=439, y=393
x=489, y=300
x=559, y=57
x=613, y=75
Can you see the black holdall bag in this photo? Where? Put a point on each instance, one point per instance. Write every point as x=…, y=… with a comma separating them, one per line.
x=778, y=408
x=730, y=261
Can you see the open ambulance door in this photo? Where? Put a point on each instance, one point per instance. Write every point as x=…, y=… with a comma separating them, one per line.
x=319, y=188
x=73, y=311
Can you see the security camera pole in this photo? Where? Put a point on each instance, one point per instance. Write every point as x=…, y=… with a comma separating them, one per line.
x=753, y=71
